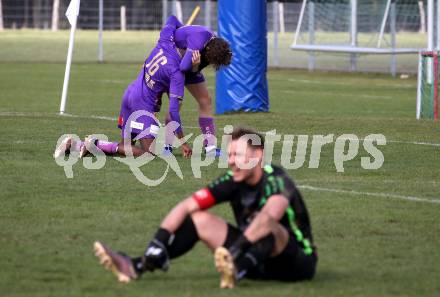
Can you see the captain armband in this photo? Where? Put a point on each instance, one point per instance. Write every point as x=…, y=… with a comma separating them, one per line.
x=204, y=198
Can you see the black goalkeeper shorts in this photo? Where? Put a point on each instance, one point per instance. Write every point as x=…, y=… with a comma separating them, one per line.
x=292, y=264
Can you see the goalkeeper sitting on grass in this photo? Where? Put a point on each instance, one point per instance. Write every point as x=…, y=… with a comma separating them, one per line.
x=272, y=238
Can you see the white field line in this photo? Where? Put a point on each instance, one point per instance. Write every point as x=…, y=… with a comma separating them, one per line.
x=112, y=81
x=24, y=141
x=414, y=142
x=382, y=195
x=42, y=114
x=322, y=82
x=90, y=117
x=305, y=187
x=110, y=119
x=327, y=93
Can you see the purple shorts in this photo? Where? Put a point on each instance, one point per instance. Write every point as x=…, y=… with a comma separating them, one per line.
x=136, y=119
x=194, y=78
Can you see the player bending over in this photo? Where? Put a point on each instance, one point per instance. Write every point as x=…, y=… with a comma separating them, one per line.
x=159, y=74
x=209, y=49
x=272, y=238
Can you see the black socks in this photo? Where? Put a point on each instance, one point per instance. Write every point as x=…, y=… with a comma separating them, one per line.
x=165, y=246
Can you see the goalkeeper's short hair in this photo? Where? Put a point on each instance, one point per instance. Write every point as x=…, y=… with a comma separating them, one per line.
x=252, y=134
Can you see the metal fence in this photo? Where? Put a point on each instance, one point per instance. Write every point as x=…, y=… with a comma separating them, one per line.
x=140, y=15
x=282, y=20
x=149, y=14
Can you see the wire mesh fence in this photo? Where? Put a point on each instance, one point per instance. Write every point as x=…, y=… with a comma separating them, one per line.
x=140, y=15
x=350, y=25
x=143, y=20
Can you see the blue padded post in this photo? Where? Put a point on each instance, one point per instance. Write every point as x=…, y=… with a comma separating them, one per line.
x=242, y=86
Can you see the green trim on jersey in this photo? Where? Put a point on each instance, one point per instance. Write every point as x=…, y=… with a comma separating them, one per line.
x=227, y=176
x=276, y=185
x=298, y=234
x=268, y=169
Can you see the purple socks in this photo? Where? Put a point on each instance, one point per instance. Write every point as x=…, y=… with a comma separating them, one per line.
x=206, y=126
x=107, y=147
x=208, y=129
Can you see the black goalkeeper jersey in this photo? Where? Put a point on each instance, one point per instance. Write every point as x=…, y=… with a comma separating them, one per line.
x=247, y=200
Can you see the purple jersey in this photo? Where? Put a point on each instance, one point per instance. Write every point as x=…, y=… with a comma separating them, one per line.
x=191, y=38
x=159, y=74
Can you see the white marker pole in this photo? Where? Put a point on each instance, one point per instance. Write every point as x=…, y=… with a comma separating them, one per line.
x=72, y=15
x=100, y=29
x=430, y=45
x=438, y=25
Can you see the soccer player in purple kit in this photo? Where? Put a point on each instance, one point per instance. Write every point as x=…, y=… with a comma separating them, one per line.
x=143, y=97
x=203, y=48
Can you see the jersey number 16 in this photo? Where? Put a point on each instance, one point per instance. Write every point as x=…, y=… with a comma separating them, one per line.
x=155, y=63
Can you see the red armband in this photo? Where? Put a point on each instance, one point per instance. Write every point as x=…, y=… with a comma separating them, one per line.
x=204, y=198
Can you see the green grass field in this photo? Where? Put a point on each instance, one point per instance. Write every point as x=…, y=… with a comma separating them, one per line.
x=130, y=47
x=374, y=237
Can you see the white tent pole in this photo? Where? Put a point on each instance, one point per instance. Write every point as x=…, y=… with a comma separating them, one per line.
x=123, y=19
x=422, y=17
x=173, y=7
x=353, y=33
x=430, y=45
x=419, y=88
x=55, y=14
x=311, y=12
x=179, y=13
x=1, y=17
x=393, y=37
x=298, y=26
x=101, y=27
x=276, y=23
x=164, y=11
x=281, y=14
x=208, y=12
x=438, y=25
x=384, y=22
